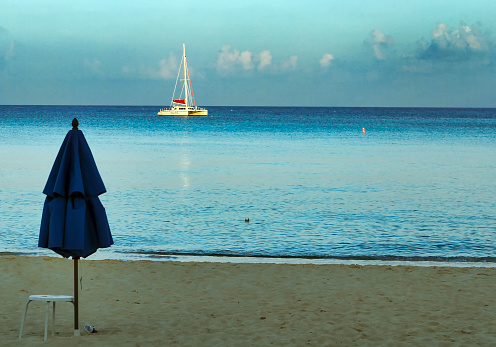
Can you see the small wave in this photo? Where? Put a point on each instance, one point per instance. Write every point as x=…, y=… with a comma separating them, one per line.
x=395, y=258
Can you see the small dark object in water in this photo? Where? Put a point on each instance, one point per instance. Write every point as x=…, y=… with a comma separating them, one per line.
x=247, y=220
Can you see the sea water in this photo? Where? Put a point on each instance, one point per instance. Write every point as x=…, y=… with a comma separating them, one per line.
x=324, y=183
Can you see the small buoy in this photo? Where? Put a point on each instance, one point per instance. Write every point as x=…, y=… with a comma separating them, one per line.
x=363, y=130
x=247, y=220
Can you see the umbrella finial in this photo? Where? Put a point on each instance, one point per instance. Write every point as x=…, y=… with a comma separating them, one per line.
x=75, y=124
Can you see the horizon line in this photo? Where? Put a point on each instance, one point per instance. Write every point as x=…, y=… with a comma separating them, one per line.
x=273, y=106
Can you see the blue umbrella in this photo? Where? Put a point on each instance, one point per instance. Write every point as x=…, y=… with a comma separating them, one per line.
x=74, y=223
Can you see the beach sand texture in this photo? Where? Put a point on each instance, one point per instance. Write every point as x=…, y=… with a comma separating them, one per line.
x=151, y=303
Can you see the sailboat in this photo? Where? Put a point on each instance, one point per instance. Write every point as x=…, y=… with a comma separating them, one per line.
x=185, y=104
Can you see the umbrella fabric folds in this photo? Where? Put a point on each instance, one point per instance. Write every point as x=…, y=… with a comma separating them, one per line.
x=74, y=222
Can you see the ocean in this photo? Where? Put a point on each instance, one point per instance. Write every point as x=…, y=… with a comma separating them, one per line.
x=365, y=184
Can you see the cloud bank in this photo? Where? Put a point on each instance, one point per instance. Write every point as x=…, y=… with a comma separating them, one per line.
x=462, y=43
x=232, y=61
x=465, y=47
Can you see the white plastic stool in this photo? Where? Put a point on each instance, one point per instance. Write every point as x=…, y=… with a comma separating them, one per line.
x=47, y=299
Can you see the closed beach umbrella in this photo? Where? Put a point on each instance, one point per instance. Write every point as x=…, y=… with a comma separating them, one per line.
x=74, y=222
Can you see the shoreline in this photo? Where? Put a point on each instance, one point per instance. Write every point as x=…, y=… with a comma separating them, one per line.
x=240, y=304
x=103, y=255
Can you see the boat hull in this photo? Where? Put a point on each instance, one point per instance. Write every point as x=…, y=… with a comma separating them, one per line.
x=183, y=113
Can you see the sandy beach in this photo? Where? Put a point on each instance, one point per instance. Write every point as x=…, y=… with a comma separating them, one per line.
x=149, y=303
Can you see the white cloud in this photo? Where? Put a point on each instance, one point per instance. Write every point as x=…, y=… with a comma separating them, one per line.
x=379, y=42
x=231, y=60
x=168, y=67
x=265, y=59
x=326, y=60
x=228, y=60
x=245, y=59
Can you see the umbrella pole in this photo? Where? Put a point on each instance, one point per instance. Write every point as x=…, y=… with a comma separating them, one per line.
x=76, y=297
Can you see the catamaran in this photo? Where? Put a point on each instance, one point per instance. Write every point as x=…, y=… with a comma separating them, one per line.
x=185, y=104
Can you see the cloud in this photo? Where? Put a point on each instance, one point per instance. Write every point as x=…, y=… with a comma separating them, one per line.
x=265, y=59
x=228, y=61
x=462, y=43
x=232, y=60
x=465, y=47
x=326, y=60
x=168, y=68
x=245, y=59
x=165, y=69
x=379, y=42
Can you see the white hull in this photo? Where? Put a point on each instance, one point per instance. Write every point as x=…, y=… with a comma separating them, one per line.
x=182, y=111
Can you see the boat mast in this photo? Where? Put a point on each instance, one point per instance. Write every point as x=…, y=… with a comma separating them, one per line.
x=185, y=78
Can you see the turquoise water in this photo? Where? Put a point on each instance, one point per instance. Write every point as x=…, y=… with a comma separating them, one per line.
x=420, y=184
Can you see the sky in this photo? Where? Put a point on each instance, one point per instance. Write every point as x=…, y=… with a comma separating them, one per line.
x=380, y=53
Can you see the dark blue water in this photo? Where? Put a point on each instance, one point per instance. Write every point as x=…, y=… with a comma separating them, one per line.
x=419, y=184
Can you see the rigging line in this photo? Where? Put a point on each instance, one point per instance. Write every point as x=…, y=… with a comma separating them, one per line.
x=191, y=86
x=177, y=78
